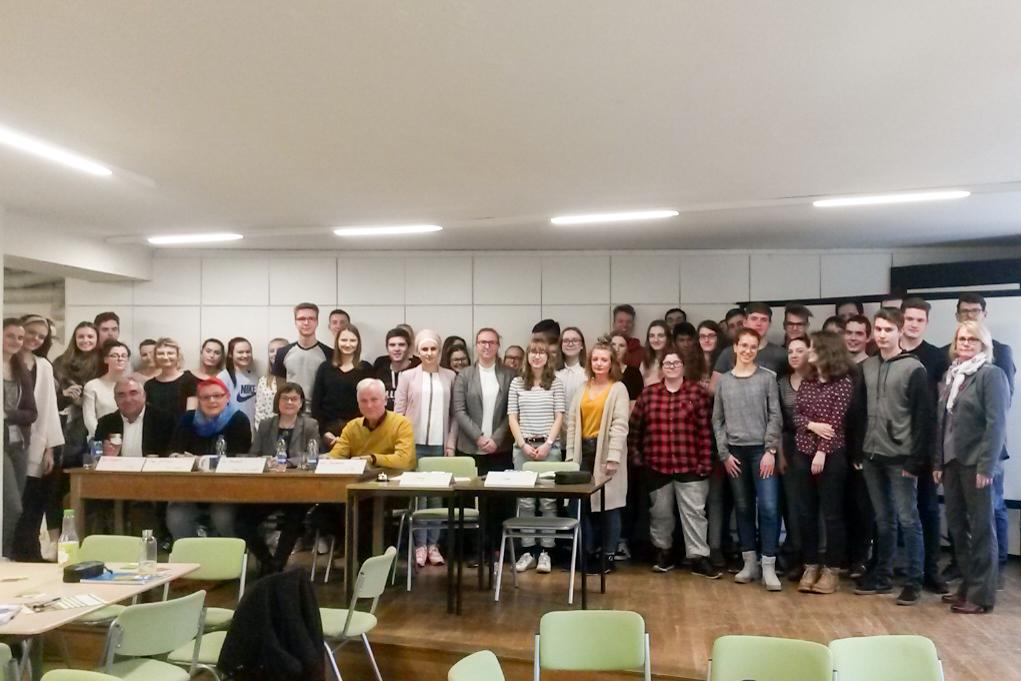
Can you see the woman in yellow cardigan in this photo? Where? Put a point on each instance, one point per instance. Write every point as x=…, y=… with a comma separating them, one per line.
x=597, y=427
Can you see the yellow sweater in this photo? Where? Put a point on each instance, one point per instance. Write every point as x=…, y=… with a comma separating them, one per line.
x=391, y=442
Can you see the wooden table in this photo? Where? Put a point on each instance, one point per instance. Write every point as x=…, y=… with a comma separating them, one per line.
x=293, y=486
x=459, y=492
x=17, y=579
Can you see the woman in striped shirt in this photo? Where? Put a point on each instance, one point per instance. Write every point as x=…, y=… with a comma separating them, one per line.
x=535, y=410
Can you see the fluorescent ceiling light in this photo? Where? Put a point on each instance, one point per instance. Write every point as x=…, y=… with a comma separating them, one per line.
x=181, y=239
x=386, y=230
x=596, y=218
x=37, y=147
x=880, y=199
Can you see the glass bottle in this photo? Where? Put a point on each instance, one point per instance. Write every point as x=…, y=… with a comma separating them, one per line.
x=67, y=545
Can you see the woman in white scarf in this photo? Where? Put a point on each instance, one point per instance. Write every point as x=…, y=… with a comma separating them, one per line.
x=971, y=420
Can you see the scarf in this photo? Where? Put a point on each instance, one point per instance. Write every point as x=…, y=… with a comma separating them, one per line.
x=207, y=427
x=956, y=374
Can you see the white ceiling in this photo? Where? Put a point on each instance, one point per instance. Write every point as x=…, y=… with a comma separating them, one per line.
x=281, y=120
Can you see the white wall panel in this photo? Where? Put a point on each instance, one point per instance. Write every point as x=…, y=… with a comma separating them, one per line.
x=446, y=320
x=86, y=313
x=507, y=281
x=295, y=280
x=112, y=293
x=514, y=322
x=714, y=278
x=593, y=320
x=645, y=279
x=854, y=274
x=438, y=281
x=784, y=276
x=575, y=279
x=373, y=321
x=370, y=281
x=700, y=312
x=175, y=281
x=235, y=281
x=182, y=323
x=646, y=314
x=225, y=323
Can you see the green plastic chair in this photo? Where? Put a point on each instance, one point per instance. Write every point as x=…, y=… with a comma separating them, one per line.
x=436, y=518
x=222, y=559
x=763, y=658
x=875, y=658
x=592, y=640
x=149, y=630
x=77, y=675
x=558, y=528
x=341, y=625
x=480, y=666
x=8, y=664
x=108, y=548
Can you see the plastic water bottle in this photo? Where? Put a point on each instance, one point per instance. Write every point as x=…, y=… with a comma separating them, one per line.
x=147, y=554
x=67, y=545
x=220, y=449
x=312, y=453
x=93, y=454
x=281, y=459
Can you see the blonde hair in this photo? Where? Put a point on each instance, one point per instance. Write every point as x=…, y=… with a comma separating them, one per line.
x=170, y=343
x=980, y=331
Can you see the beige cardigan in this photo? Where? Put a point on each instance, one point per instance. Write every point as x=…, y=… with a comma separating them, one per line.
x=611, y=444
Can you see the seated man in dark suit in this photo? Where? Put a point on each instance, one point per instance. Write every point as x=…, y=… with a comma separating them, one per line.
x=137, y=429
x=143, y=429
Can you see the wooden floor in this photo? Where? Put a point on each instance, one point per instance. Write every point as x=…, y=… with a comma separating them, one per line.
x=684, y=614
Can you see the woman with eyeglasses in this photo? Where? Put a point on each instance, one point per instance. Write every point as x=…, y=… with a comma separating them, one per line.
x=573, y=354
x=97, y=400
x=971, y=422
x=296, y=429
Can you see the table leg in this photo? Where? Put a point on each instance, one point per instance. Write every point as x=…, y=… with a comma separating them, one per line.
x=78, y=504
x=118, y=517
x=350, y=542
x=583, y=555
x=482, y=542
x=451, y=529
x=378, y=521
x=460, y=549
x=604, y=526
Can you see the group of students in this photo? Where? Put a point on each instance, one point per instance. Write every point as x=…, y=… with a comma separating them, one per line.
x=841, y=437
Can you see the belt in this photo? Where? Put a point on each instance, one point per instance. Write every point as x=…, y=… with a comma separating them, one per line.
x=535, y=440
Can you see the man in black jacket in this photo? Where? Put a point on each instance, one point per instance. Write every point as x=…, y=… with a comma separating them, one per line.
x=143, y=428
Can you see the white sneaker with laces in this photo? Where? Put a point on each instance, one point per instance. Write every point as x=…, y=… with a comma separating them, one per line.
x=543, y=566
x=525, y=562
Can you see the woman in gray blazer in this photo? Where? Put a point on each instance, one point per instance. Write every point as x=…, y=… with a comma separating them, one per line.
x=971, y=427
x=290, y=424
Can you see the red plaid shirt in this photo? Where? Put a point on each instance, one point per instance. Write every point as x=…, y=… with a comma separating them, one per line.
x=672, y=432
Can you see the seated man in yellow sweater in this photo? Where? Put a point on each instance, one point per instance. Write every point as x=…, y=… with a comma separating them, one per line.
x=382, y=437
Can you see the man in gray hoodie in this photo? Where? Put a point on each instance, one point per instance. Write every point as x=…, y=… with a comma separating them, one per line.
x=895, y=450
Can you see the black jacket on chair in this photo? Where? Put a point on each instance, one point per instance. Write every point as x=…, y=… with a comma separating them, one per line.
x=276, y=633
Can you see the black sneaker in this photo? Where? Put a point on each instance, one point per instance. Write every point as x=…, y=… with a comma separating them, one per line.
x=935, y=585
x=703, y=568
x=594, y=566
x=870, y=585
x=909, y=595
x=664, y=563
x=857, y=571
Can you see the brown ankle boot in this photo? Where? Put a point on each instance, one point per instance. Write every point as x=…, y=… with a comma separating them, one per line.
x=827, y=583
x=809, y=578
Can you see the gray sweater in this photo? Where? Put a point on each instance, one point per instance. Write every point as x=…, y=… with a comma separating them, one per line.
x=747, y=411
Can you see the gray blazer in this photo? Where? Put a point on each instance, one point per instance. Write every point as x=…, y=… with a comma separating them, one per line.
x=467, y=406
x=979, y=420
x=265, y=441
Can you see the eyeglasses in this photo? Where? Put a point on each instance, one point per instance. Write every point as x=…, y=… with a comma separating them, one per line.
x=707, y=336
x=571, y=341
x=486, y=343
x=290, y=398
x=213, y=398
x=306, y=319
x=671, y=365
x=968, y=339
x=537, y=353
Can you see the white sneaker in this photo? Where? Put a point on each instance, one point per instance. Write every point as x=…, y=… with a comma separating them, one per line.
x=322, y=546
x=544, y=566
x=524, y=563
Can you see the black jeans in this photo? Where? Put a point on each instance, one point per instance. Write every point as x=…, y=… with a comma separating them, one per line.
x=821, y=494
x=498, y=508
x=928, y=513
x=860, y=518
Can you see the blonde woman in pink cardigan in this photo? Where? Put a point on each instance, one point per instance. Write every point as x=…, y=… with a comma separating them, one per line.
x=423, y=396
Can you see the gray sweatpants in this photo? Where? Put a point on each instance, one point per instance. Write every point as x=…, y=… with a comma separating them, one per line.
x=690, y=498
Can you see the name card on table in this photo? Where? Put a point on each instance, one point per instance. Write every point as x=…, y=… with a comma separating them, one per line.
x=242, y=464
x=511, y=478
x=340, y=467
x=426, y=479
x=121, y=464
x=178, y=464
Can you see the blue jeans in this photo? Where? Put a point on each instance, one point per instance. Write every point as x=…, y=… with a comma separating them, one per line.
x=1000, y=514
x=753, y=492
x=895, y=501
x=928, y=513
x=591, y=525
x=428, y=537
x=526, y=505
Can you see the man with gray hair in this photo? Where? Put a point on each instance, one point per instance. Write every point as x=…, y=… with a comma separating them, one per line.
x=380, y=436
x=136, y=428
